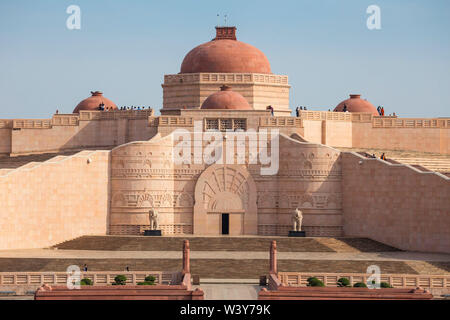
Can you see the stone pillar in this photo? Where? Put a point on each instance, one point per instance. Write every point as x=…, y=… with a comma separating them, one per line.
x=186, y=263
x=273, y=258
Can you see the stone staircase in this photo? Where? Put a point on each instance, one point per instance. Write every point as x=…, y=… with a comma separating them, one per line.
x=141, y=243
x=421, y=160
x=8, y=163
x=216, y=266
x=19, y=161
x=432, y=164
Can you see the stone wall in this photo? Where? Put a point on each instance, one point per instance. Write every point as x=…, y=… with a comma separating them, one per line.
x=363, y=130
x=395, y=204
x=260, y=90
x=5, y=141
x=46, y=203
x=142, y=177
x=96, y=129
x=89, y=129
x=421, y=139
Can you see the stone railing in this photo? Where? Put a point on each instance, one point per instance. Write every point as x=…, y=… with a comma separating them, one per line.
x=325, y=115
x=32, y=123
x=116, y=114
x=377, y=121
x=341, y=116
x=65, y=120
x=361, y=117
x=165, y=121
x=226, y=78
x=132, y=229
x=73, y=119
x=98, y=278
x=299, y=279
x=280, y=122
x=383, y=122
x=5, y=123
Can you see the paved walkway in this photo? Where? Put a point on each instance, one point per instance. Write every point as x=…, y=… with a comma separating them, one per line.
x=103, y=254
x=232, y=291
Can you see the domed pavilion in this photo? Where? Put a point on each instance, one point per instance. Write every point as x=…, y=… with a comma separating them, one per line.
x=226, y=61
x=356, y=104
x=226, y=99
x=94, y=102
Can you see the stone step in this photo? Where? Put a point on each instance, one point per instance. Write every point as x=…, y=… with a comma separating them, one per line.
x=18, y=161
x=142, y=243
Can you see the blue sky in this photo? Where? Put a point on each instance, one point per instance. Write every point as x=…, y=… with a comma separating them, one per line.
x=124, y=48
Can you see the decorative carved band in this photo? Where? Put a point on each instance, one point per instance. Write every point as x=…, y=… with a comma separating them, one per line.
x=139, y=229
x=225, y=77
x=311, y=231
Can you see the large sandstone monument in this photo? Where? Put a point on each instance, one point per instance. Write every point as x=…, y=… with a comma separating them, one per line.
x=99, y=172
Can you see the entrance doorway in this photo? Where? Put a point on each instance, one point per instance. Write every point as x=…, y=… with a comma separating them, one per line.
x=225, y=223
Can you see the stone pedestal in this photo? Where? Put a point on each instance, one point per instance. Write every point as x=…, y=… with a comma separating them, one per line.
x=152, y=233
x=297, y=234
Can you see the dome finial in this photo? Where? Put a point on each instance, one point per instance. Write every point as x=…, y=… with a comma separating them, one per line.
x=225, y=33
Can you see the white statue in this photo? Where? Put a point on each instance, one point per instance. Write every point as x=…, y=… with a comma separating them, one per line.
x=297, y=219
x=153, y=216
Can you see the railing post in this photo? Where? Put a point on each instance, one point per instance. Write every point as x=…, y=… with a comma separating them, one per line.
x=186, y=258
x=273, y=257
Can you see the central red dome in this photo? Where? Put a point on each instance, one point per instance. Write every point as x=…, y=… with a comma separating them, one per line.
x=225, y=54
x=226, y=99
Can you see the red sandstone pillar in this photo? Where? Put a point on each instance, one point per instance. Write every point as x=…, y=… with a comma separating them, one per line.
x=186, y=258
x=273, y=257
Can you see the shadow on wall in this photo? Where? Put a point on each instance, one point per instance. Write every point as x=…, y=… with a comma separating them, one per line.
x=317, y=185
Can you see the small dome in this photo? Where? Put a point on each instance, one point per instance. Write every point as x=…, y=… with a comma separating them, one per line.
x=226, y=99
x=93, y=103
x=225, y=54
x=356, y=104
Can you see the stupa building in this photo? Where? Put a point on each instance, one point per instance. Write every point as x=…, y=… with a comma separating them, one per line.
x=109, y=167
x=226, y=61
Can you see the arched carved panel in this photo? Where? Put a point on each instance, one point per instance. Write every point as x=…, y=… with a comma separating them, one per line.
x=225, y=189
x=145, y=200
x=185, y=200
x=119, y=200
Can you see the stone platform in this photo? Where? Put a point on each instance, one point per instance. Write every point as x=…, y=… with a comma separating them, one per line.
x=224, y=257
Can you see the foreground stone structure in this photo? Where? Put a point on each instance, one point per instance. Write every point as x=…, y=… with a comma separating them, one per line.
x=316, y=293
x=157, y=292
x=293, y=285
